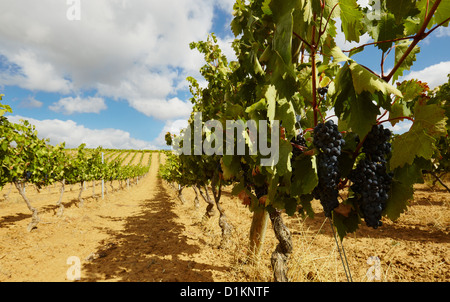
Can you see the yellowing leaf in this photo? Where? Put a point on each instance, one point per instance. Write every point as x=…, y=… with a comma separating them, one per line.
x=364, y=80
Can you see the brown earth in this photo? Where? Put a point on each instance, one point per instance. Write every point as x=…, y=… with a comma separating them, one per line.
x=144, y=233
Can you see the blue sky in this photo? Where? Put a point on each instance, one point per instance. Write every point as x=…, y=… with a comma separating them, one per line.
x=116, y=77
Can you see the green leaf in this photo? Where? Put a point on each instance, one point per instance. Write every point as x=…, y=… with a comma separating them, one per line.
x=338, y=55
x=411, y=174
x=398, y=109
x=272, y=188
x=400, y=50
x=271, y=99
x=260, y=105
x=356, y=110
x=290, y=205
x=284, y=161
x=286, y=114
x=304, y=176
x=265, y=7
x=345, y=225
x=442, y=13
x=431, y=118
x=402, y=8
x=364, y=80
x=388, y=29
x=362, y=114
x=407, y=146
x=351, y=17
x=231, y=166
x=306, y=207
x=397, y=203
x=411, y=89
x=282, y=37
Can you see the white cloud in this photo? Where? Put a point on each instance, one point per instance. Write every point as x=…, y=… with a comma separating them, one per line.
x=400, y=127
x=225, y=45
x=73, y=135
x=72, y=105
x=443, y=32
x=34, y=74
x=30, y=102
x=226, y=5
x=434, y=75
x=133, y=50
x=162, y=109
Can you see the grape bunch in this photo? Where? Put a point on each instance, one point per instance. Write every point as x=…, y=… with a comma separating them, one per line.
x=328, y=140
x=376, y=145
x=261, y=191
x=27, y=175
x=322, y=90
x=298, y=140
x=371, y=181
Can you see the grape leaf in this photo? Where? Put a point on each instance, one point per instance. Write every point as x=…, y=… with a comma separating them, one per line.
x=271, y=99
x=282, y=37
x=364, y=80
x=351, y=17
x=284, y=161
x=363, y=114
x=431, y=118
x=400, y=50
x=285, y=112
x=338, y=55
x=387, y=29
x=358, y=111
x=230, y=167
x=402, y=8
x=429, y=123
x=408, y=145
x=411, y=89
x=345, y=225
x=411, y=174
x=398, y=109
x=304, y=177
x=442, y=13
x=397, y=203
x=290, y=205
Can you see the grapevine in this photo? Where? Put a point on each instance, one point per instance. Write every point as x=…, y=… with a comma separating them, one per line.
x=278, y=76
x=27, y=159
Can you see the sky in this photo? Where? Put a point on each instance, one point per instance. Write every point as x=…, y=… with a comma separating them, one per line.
x=112, y=73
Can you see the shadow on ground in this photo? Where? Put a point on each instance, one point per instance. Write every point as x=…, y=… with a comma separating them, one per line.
x=149, y=249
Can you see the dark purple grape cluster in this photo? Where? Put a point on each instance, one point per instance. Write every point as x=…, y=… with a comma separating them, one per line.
x=261, y=191
x=377, y=145
x=322, y=90
x=328, y=140
x=27, y=175
x=371, y=181
x=298, y=140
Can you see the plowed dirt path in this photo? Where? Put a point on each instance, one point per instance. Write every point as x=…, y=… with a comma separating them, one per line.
x=131, y=235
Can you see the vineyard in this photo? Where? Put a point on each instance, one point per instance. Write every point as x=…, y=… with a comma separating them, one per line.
x=145, y=233
x=289, y=168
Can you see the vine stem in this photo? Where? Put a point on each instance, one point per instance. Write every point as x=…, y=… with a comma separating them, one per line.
x=313, y=71
x=395, y=118
x=418, y=37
